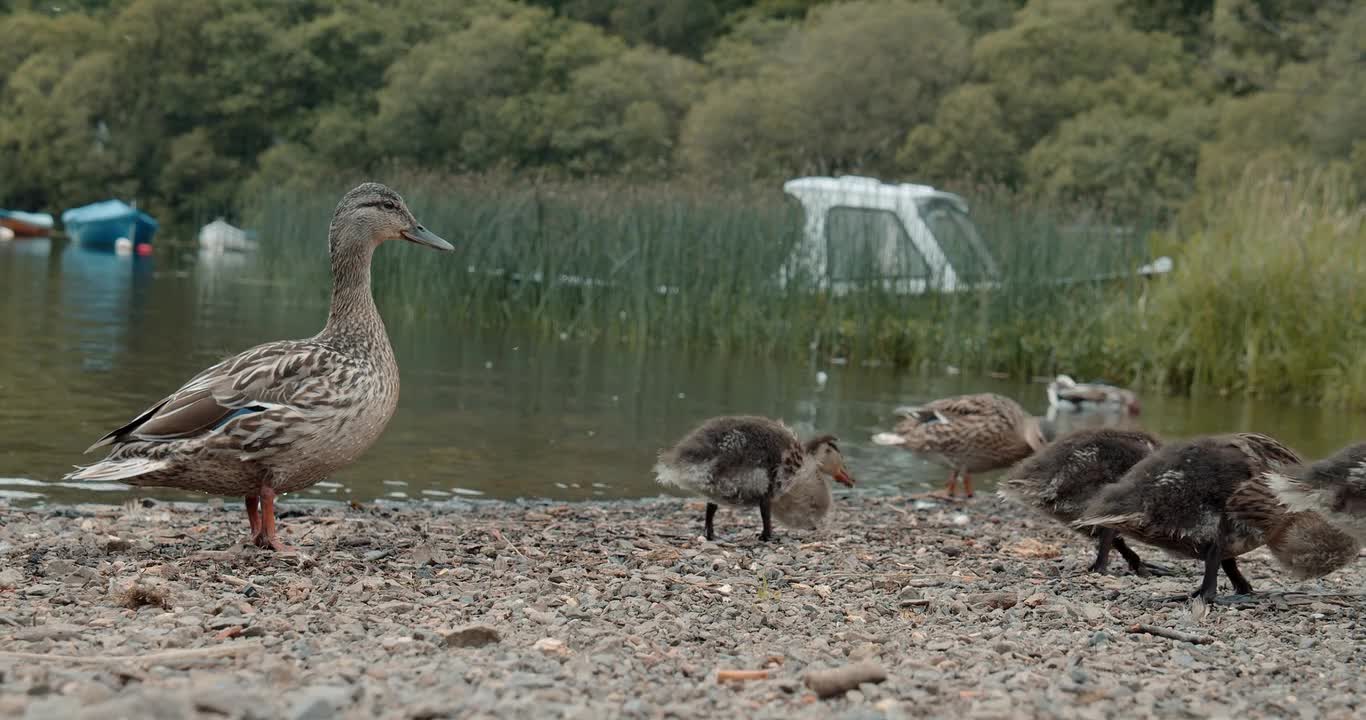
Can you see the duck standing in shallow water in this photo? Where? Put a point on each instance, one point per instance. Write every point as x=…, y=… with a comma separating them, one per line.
x=1208, y=499
x=748, y=461
x=1334, y=487
x=1063, y=478
x=967, y=434
x=281, y=416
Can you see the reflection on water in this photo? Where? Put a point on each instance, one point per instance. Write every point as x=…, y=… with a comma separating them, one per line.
x=91, y=339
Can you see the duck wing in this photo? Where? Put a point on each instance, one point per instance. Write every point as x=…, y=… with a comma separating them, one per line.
x=272, y=376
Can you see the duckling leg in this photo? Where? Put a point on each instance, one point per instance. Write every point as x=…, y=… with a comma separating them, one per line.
x=265, y=537
x=967, y=483
x=711, y=513
x=1209, y=587
x=1240, y=583
x=1136, y=563
x=254, y=515
x=953, y=483
x=766, y=512
x=1108, y=537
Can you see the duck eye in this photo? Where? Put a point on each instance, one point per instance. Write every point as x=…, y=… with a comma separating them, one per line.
x=390, y=205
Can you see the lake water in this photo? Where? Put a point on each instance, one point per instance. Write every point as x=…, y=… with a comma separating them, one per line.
x=88, y=340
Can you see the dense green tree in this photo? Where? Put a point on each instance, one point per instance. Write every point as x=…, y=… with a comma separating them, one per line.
x=189, y=106
x=838, y=94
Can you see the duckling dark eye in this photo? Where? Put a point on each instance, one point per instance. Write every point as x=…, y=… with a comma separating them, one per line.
x=390, y=205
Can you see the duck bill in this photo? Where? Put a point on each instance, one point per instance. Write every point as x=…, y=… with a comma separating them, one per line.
x=423, y=236
x=843, y=477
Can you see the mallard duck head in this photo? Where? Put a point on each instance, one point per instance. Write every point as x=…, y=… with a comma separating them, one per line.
x=829, y=459
x=376, y=213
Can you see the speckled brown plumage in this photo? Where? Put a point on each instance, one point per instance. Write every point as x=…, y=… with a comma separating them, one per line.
x=1208, y=499
x=967, y=434
x=747, y=461
x=281, y=416
x=1334, y=487
x=1063, y=478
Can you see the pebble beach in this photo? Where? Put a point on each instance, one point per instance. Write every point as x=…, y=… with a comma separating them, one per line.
x=620, y=609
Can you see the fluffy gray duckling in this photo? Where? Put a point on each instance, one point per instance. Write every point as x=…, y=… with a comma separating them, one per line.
x=1065, y=476
x=748, y=461
x=1208, y=499
x=1334, y=487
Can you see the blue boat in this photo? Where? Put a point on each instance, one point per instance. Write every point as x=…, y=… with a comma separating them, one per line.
x=103, y=224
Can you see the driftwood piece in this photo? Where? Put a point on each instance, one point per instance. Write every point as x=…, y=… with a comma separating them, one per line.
x=1171, y=634
x=828, y=683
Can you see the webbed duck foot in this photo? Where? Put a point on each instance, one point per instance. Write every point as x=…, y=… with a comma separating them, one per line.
x=1151, y=570
x=271, y=542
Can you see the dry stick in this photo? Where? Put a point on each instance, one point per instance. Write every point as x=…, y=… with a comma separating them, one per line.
x=739, y=675
x=1171, y=634
x=167, y=656
x=499, y=536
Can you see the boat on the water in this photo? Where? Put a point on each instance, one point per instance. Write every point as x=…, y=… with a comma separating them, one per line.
x=26, y=224
x=222, y=236
x=111, y=224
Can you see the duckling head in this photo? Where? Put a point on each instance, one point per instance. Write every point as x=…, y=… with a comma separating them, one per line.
x=1307, y=546
x=828, y=458
x=373, y=213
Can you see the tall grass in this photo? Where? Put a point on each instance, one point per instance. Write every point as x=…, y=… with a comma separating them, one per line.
x=698, y=269
x=1268, y=297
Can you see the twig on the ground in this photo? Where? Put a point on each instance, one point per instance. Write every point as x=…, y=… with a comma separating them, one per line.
x=1171, y=634
x=156, y=657
x=497, y=535
x=740, y=675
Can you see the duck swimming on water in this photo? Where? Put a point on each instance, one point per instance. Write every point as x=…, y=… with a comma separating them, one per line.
x=752, y=461
x=284, y=415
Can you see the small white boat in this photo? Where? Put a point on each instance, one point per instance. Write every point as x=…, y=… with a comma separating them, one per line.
x=222, y=236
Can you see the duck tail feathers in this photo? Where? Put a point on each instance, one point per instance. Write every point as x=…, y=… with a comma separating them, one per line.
x=116, y=470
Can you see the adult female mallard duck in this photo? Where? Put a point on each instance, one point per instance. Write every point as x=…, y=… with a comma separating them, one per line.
x=1063, y=478
x=1064, y=393
x=1334, y=487
x=1208, y=499
x=967, y=434
x=281, y=416
x=746, y=461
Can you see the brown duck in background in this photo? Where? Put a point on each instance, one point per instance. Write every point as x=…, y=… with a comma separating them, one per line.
x=1208, y=499
x=967, y=434
x=1063, y=478
x=748, y=461
x=281, y=416
x=1334, y=487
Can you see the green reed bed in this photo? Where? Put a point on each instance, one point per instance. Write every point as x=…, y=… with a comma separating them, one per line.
x=699, y=269
x=1268, y=297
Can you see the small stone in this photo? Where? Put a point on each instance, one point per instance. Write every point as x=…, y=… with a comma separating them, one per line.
x=472, y=636
x=320, y=702
x=552, y=646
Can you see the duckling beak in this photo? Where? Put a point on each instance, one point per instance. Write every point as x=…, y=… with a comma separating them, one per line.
x=423, y=236
x=843, y=477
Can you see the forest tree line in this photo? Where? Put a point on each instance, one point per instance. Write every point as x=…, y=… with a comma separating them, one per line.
x=1127, y=104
